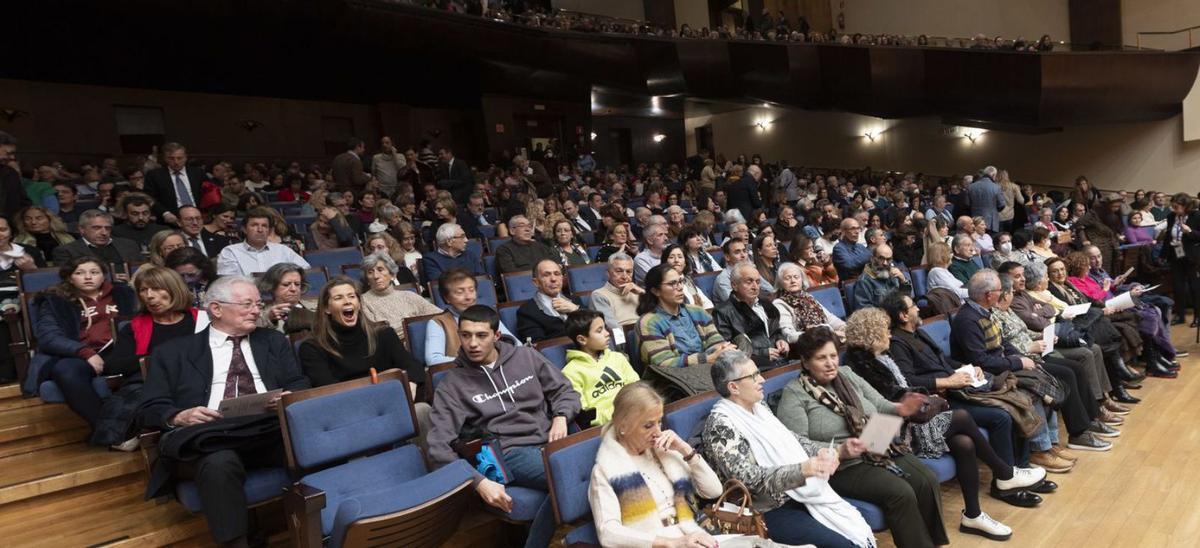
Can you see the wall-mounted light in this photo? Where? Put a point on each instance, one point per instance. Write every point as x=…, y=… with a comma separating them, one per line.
x=655, y=104
x=658, y=137
x=11, y=114
x=250, y=125
x=593, y=136
x=871, y=135
x=972, y=134
x=766, y=105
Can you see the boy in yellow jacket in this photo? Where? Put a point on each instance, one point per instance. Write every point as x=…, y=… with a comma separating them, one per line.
x=596, y=372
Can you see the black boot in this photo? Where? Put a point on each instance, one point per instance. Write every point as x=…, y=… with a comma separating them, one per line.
x=1155, y=367
x=1167, y=363
x=1120, y=395
x=1123, y=371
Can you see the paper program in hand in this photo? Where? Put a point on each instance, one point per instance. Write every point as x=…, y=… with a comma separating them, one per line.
x=879, y=432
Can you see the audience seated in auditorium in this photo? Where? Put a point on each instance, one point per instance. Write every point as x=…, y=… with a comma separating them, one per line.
x=96, y=239
x=798, y=310
x=879, y=277
x=749, y=321
x=522, y=252
x=619, y=239
x=655, y=235
x=137, y=225
x=457, y=287
x=850, y=256
x=939, y=257
x=330, y=230
x=962, y=266
x=383, y=302
x=14, y=259
x=673, y=255
x=285, y=309
x=196, y=269
x=67, y=196
x=544, y=316
x=566, y=246
x=617, y=299
x=1151, y=309
x=191, y=224
x=673, y=335
x=830, y=404
x=818, y=265
x=595, y=370
x=256, y=254
x=476, y=215
x=38, y=228
x=736, y=252
x=525, y=403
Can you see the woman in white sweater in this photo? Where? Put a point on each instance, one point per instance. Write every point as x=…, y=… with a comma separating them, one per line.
x=643, y=477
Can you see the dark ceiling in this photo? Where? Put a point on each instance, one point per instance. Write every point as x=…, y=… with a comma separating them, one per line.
x=375, y=50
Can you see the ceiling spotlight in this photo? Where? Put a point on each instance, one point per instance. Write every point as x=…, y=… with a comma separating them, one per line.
x=766, y=105
x=593, y=136
x=658, y=137
x=871, y=135
x=972, y=134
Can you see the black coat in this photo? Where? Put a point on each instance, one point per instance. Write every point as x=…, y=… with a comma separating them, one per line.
x=535, y=325
x=181, y=371
x=1191, y=240
x=743, y=196
x=161, y=187
x=733, y=317
x=919, y=359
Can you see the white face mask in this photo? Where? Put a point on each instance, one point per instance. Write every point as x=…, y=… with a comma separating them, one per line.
x=1006, y=247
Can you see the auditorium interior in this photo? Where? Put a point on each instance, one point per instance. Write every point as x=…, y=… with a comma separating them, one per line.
x=912, y=192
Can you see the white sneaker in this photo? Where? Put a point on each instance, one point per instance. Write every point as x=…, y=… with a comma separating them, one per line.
x=128, y=445
x=1022, y=477
x=984, y=526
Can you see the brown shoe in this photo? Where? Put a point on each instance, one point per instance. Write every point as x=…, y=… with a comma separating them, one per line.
x=1109, y=418
x=1063, y=453
x=1114, y=407
x=1050, y=462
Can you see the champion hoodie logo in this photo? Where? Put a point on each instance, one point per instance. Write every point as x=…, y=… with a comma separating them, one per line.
x=482, y=398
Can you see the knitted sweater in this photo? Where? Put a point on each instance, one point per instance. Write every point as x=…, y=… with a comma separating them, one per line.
x=810, y=419
x=395, y=305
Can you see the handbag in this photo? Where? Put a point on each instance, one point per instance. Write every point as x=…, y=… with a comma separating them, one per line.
x=930, y=407
x=1043, y=386
x=743, y=521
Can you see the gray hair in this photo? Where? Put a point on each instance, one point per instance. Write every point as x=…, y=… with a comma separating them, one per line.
x=736, y=276
x=980, y=283
x=86, y=217
x=221, y=289
x=656, y=220
x=990, y=172
x=617, y=257
x=1034, y=274
x=652, y=227
x=274, y=276
x=784, y=270
x=674, y=209
x=725, y=369
x=387, y=211
x=1006, y=283
x=446, y=232
x=512, y=221
x=373, y=259
x=960, y=238
x=733, y=216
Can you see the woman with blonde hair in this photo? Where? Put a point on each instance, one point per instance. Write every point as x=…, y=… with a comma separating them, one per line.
x=937, y=256
x=38, y=227
x=644, y=475
x=535, y=211
x=163, y=242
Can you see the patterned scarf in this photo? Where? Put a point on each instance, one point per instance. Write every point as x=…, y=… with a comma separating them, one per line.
x=806, y=311
x=844, y=401
x=638, y=507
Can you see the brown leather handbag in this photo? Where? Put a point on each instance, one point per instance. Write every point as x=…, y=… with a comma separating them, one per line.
x=744, y=521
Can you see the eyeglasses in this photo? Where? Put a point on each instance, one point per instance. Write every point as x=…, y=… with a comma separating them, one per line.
x=755, y=375
x=244, y=306
x=674, y=283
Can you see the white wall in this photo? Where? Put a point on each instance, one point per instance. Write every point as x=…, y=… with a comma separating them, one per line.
x=1149, y=154
x=1160, y=15
x=626, y=9
x=958, y=18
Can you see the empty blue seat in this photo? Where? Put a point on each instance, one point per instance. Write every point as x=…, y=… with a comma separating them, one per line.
x=333, y=259
x=831, y=298
x=587, y=277
x=719, y=255
x=316, y=278
x=475, y=246
x=706, y=282
x=487, y=231
x=939, y=331
x=518, y=286
x=508, y=315
x=685, y=416
x=918, y=275
x=594, y=251
x=555, y=350
x=489, y=267
x=848, y=303
x=414, y=332
x=37, y=280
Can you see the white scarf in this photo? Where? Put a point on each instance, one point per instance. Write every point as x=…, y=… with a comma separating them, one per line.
x=774, y=445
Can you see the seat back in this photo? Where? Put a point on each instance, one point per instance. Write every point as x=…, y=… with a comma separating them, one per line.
x=508, y=315
x=475, y=247
x=489, y=266
x=569, y=463
x=555, y=350
x=594, y=251
x=316, y=278
x=340, y=421
x=918, y=276
x=333, y=259
x=848, y=302
x=706, y=282
x=354, y=272
x=36, y=280
x=587, y=277
x=938, y=329
x=495, y=243
x=487, y=231
x=686, y=415
x=414, y=335
x=776, y=379
x=436, y=373
x=830, y=297
x=718, y=255
x=518, y=286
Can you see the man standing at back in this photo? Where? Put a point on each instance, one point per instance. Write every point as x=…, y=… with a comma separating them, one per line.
x=387, y=165
x=986, y=199
x=348, y=171
x=743, y=194
x=456, y=176
x=175, y=185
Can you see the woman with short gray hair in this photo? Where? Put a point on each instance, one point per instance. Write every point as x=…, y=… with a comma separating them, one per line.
x=745, y=441
x=382, y=302
x=282, y=288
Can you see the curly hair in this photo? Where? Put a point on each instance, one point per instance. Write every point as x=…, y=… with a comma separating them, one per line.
x=1077, y=263
x=866, y=327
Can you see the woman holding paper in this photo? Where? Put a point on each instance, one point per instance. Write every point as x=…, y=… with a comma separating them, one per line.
x=868, y=339
x=831, y=404
x=1060, y=288
x=785, y=472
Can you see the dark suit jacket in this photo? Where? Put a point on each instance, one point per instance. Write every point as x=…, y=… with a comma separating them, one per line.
x=1191, y=240
x=128, y=249
x=919, y=359
x=457, y=179
x=348, y=172
x=534, y=324
x=733, y=318
x=161, y=187
x=743, y=196
x=181, y=371
x=213, y=242
x=12, y=192
x=593, y=221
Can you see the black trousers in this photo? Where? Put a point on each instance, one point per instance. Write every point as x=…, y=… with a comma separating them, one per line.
x=1080, y=407
x=220, y=478
x=1185, y=279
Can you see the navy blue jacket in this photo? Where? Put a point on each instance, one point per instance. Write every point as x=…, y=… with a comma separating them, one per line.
x=975, y=339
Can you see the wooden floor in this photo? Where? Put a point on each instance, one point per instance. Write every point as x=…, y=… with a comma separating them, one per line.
x=55, y=491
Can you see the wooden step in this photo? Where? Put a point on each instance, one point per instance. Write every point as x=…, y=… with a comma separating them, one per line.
x=105, y=513
x=35, y=474
x=45, y=441
x=35, y=421
x=10, y=390
x=11, y=404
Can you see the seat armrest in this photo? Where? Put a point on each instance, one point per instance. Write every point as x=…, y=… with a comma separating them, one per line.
x=148, y=444
x=303, y=504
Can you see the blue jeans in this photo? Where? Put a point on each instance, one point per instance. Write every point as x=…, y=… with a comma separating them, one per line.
x=792, y=524
x=1048, y=435
x=1007, y=442
x=74, y=378
x=526, y=469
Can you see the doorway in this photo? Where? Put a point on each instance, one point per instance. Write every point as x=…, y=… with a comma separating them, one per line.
x=622, y=138
x=704, y=139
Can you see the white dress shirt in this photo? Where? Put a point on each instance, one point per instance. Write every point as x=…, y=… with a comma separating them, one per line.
x=222, y=353
x=244, y=260
x=187, y=185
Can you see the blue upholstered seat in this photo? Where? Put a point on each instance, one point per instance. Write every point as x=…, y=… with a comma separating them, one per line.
x=316, y=278
x=686, y=420
x=587, y=277
x=333, y=259
x=489, y=266
x=706, y=282
x=525, y=503
x=831, y=298
x=569, y=469
x=262, y=484
x=939, y=331
x=475, y=246
x=942, y=467
x=49, y=392
x=920, y=286
x=871, y=513
x=557, y=352
x=508, y=316
x=519, y=286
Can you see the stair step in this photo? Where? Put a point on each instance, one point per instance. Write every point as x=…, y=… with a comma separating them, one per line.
x=35, y=421
x=10, y=390
x=106, y=513
x=31, y=475
x=12, y=404
x=45, y=441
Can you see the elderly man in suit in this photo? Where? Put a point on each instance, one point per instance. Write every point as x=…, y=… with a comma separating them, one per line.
x=175, y=185
x=348, y=173
x=544, y=316
x=456, y=176
x=95, y=231
x=986, y=199
x=188, y=379
x=743, y=194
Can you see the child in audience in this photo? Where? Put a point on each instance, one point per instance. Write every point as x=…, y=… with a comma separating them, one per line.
x=596, y=372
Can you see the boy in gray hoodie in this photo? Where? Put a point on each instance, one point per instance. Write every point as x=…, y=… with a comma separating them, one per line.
x=511, y=393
